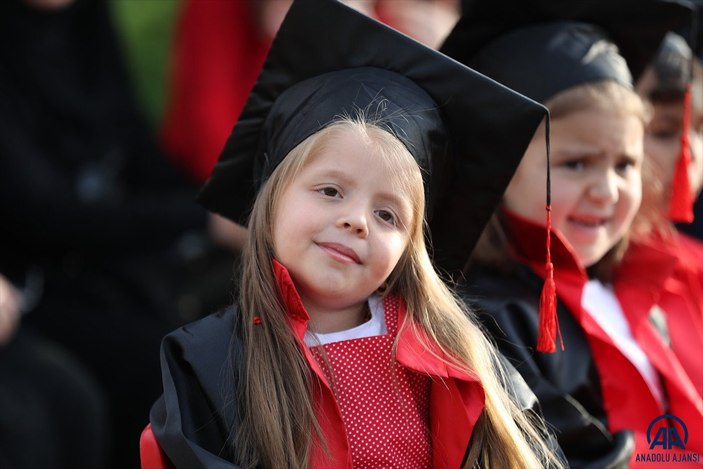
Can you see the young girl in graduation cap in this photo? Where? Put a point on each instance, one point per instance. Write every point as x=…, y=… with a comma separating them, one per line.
x=564, y=281
x=673, y=84
x=345, y=347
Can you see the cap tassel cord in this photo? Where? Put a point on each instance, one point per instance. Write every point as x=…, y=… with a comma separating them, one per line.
x=548, y=322
x=681, y=203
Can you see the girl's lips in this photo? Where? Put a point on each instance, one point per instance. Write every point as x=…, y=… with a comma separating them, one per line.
x=341, y=252
x=591, y=222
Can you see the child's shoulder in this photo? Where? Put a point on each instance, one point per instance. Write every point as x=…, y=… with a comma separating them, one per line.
x=211, y=323
x=209, y=336
x=489, y=285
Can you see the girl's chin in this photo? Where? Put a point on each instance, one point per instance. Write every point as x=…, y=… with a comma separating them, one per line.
x=591, y=256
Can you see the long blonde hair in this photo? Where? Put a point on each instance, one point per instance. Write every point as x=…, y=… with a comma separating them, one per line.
x=275, y=392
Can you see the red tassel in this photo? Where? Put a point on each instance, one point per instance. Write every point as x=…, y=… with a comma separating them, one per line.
x=546, y=336
x=548, y=323
x=681, y=203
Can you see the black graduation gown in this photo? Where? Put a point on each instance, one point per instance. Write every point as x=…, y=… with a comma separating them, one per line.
x=196, y=415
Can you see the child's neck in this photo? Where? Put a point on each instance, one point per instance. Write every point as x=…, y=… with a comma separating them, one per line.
x=326, y=320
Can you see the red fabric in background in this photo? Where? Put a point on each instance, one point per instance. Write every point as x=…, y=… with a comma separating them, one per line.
x=217, y=55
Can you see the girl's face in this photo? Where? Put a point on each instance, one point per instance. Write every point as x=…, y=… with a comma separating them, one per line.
x=340, y=228
x=663, y=142
x=596, y=180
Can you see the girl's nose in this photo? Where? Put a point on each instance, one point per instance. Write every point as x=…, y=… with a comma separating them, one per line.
x=355, y=222
x=604, y=188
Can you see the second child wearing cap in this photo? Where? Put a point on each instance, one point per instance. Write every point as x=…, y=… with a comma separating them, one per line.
x=615, y=374
x=664, y=84
x=345, y=347
x=673, y=85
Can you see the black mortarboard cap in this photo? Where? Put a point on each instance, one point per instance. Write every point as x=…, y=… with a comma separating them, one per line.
x=543, y=47
x=467, y=132
x=673, y=63
x=672, y=68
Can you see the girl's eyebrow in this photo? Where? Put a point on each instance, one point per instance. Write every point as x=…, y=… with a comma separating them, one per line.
x=393, y=199
x=335, y=174
x=589, y=154
x=577, y=151
x=559, y=155
x=669, y=116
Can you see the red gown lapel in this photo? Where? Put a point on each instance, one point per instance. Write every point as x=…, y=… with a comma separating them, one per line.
x=645, y=272
x=456, y=398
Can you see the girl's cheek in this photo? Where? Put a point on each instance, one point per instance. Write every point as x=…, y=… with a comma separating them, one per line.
x=696, y=175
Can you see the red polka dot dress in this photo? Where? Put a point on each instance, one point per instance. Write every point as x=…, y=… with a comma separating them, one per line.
x=384, y=406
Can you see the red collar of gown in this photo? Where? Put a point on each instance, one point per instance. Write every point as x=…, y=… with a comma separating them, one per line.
x=456, y=398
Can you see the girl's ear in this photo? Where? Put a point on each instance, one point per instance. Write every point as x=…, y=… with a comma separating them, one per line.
x=383, y=289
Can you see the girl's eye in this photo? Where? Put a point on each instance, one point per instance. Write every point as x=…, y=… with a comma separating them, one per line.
x=329, y=191
x=665, y=134
x=575, y=165
x=664, y=129
x=386, y=216
x=624, y=165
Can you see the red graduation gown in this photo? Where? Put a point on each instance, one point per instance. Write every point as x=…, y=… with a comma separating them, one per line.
x=681, y=299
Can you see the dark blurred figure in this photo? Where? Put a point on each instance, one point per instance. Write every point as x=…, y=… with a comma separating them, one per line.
x=52, y=413
x=99, y=225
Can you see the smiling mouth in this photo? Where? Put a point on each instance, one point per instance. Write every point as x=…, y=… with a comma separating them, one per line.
x=340, y=252
x=589, y=222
